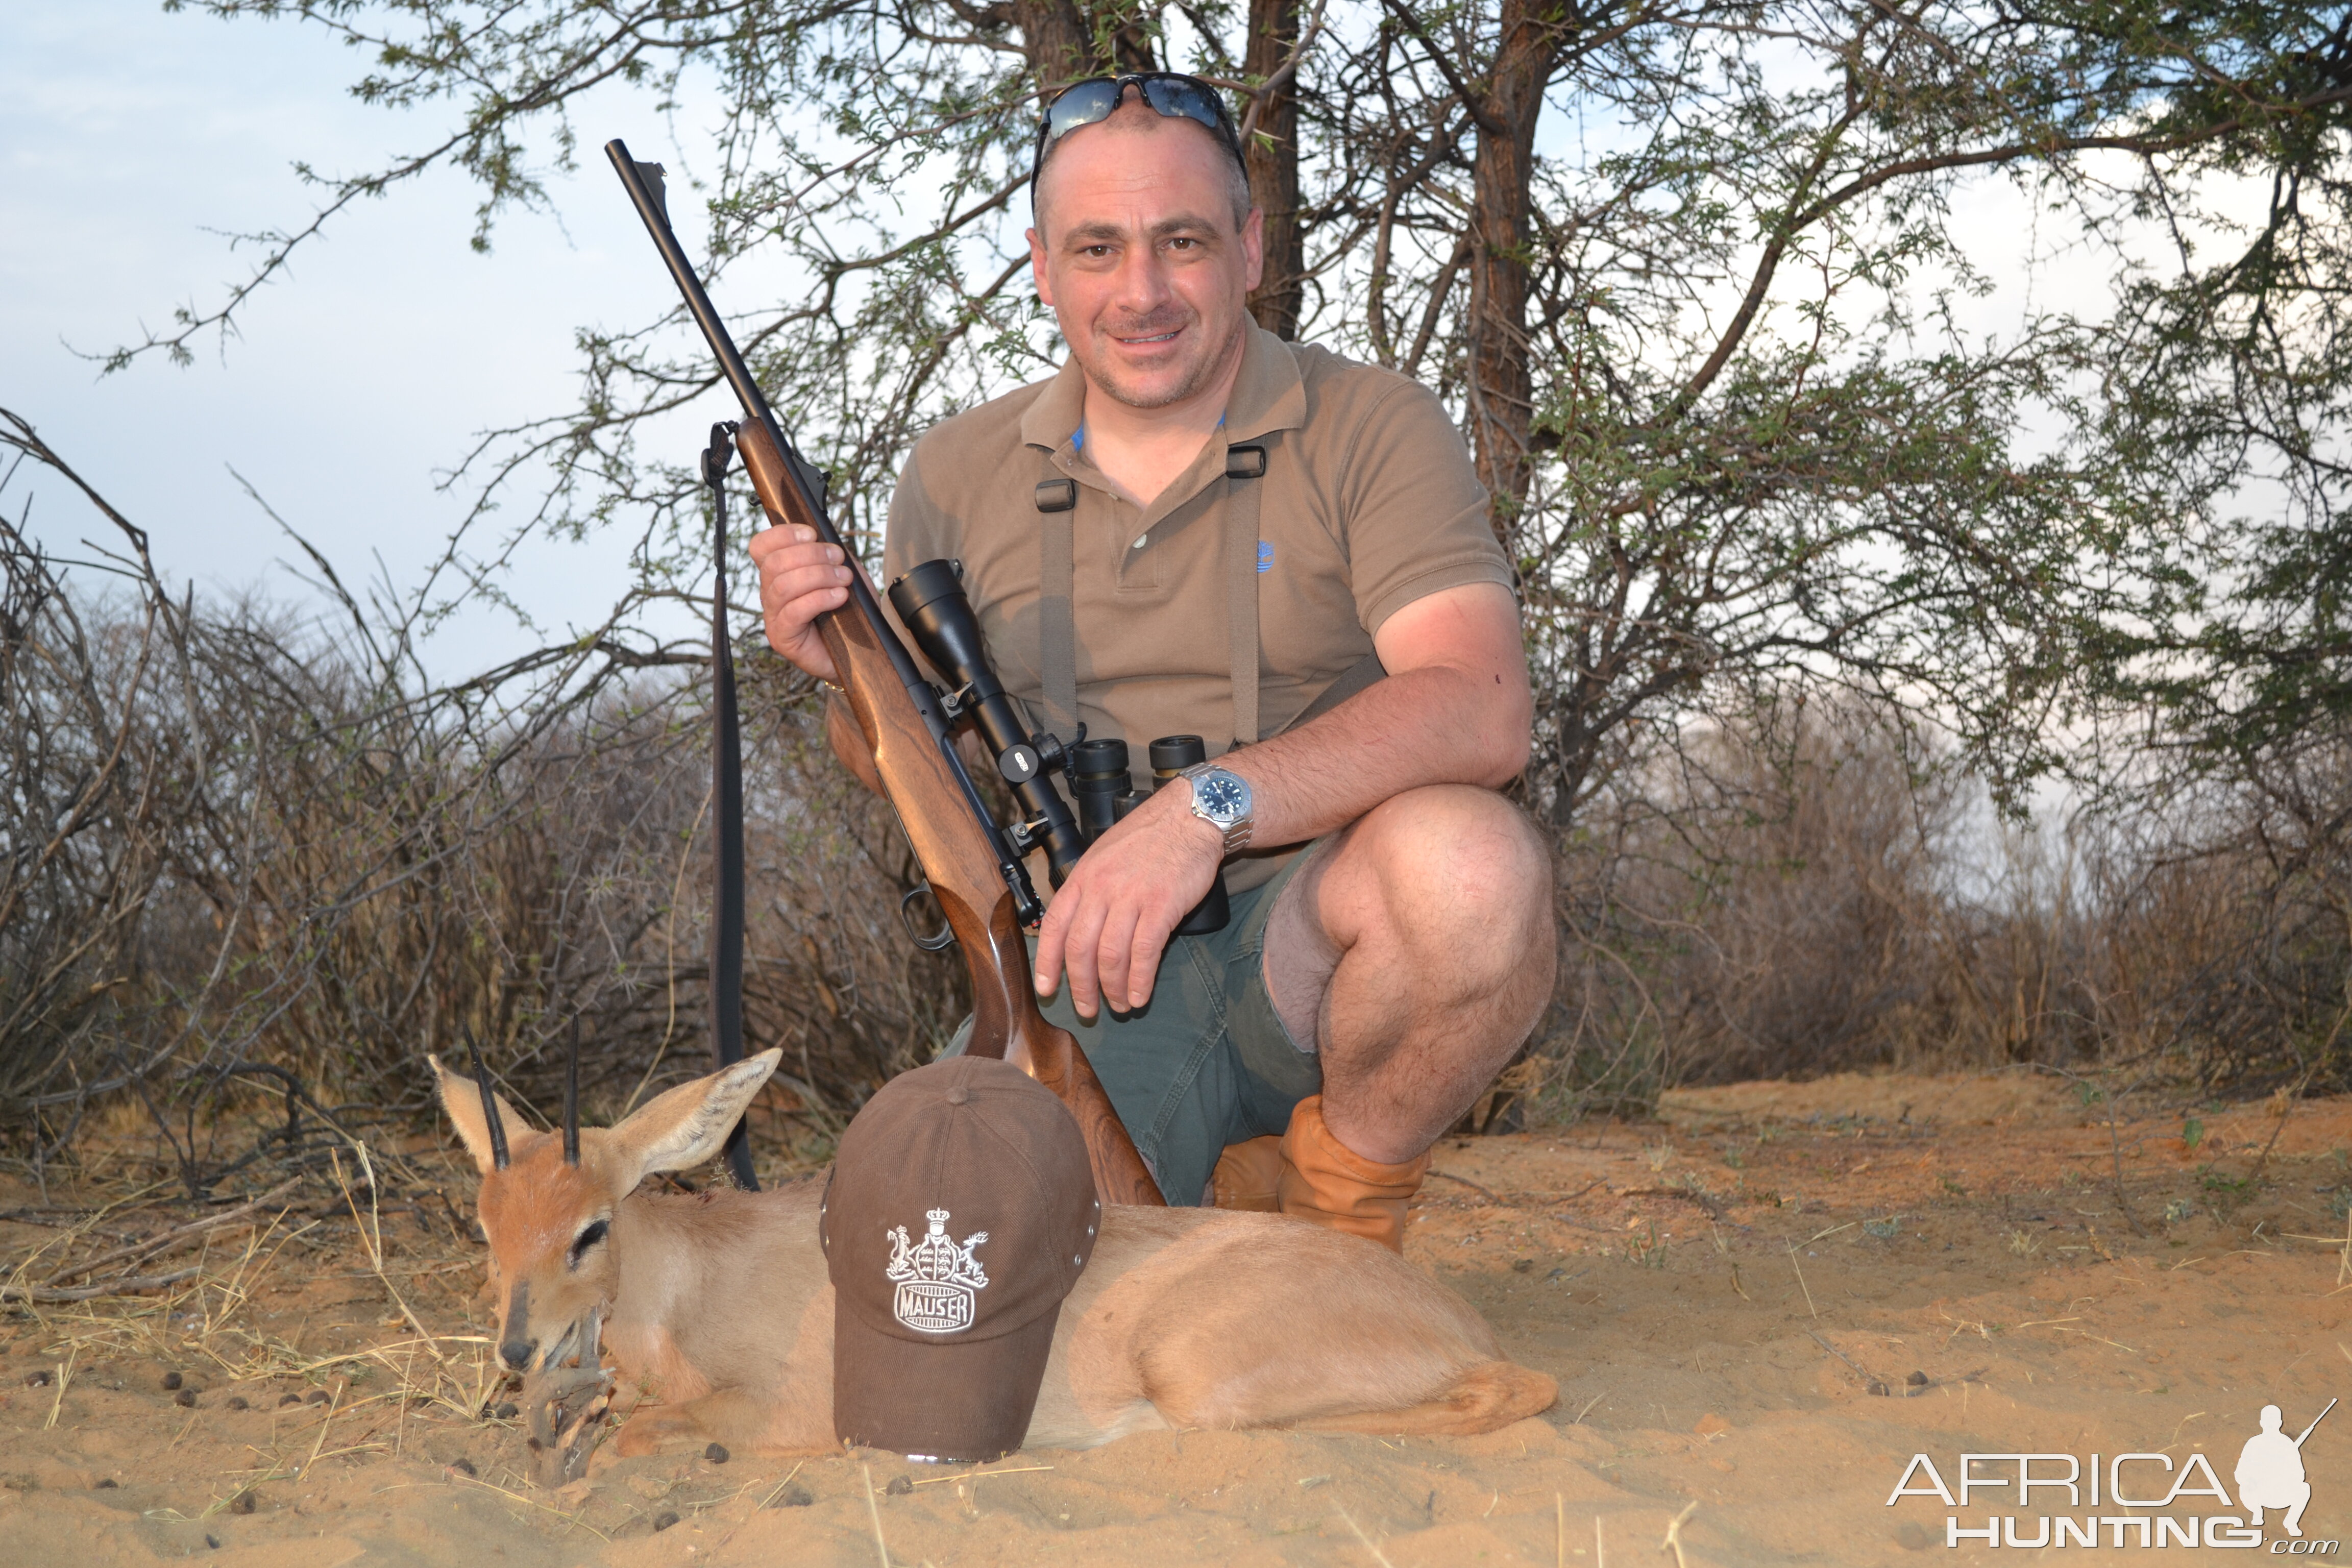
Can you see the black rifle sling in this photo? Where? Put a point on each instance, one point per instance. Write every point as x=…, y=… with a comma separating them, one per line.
x=727, y=810
x=1057, y=497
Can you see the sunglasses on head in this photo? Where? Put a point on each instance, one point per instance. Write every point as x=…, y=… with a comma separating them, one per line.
x=1166, y=93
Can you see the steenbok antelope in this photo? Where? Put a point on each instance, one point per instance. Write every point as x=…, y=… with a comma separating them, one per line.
x=715, y=1310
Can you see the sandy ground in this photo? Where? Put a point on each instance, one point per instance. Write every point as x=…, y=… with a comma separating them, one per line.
x=1716, y=1294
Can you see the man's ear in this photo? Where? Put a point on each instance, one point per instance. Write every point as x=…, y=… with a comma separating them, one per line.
x=1253, y=248
x=687, y=1124
x=1037, y=272
x=463, y=1100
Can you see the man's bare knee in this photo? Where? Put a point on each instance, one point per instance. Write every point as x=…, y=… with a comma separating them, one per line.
x=1458, y=870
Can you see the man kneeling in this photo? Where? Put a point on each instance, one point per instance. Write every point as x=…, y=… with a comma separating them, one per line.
x=1196, y=527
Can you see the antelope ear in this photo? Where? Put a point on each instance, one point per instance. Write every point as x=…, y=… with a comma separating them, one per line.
x=462, y=1102
x=688, y=1124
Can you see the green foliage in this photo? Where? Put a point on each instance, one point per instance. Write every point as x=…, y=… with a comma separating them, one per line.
x=1755, y=440
x=2226, y=1188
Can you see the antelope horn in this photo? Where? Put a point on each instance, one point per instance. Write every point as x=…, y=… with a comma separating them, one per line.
x=489, y=1105
x=572, y=1098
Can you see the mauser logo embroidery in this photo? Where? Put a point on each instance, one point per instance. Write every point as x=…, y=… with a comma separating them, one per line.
x=938, y=1281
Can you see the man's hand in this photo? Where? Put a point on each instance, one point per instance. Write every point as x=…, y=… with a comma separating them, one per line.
x=800, y=580
x=1110, y=923
x=1455, y=710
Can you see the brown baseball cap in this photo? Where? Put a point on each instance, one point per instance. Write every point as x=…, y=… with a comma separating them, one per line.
x=960, y=1212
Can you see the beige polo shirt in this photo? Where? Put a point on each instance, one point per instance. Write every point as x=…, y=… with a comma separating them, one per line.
x=1367, y=503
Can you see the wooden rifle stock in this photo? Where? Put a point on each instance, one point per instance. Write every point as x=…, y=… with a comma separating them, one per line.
x=972, y=873
x=958, y=861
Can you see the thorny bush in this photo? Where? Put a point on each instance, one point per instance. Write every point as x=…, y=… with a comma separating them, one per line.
x=245, y=859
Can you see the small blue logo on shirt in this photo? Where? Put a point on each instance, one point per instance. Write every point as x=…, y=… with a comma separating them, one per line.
x=1264, y=555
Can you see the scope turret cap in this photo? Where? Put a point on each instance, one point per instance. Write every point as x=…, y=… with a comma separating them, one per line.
x=961, y=1211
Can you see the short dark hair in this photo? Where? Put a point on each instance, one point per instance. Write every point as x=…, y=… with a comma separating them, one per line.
x=1236, y=178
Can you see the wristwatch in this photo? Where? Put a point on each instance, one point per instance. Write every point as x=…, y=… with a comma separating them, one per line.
x=1222, y=799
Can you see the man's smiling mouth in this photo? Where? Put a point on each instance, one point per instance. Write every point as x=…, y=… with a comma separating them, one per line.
x=1166, y=337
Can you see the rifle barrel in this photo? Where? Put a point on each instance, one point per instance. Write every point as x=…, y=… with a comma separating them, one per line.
x=2314, y=1423
x=655, y=213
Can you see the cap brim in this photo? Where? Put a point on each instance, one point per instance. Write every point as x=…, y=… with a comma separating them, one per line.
x=955, y=1401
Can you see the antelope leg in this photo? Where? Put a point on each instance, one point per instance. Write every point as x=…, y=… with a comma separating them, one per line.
x=566, y=1405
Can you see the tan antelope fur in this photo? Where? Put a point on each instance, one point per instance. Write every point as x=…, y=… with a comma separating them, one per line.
x=716, y=1310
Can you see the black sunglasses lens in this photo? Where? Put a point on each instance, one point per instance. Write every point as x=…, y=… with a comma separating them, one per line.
x=1175, y=96
x=1084, y=104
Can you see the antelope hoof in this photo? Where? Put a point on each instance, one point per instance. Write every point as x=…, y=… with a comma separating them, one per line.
x=567, y=1407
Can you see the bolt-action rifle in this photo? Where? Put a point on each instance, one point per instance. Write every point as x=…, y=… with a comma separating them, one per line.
x=974, y=872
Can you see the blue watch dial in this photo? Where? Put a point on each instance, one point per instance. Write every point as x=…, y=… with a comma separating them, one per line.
x=1221, y=795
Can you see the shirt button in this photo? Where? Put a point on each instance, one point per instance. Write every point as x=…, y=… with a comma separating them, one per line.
x=1142, y=541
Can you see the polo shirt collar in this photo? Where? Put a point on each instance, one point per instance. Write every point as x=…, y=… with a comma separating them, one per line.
x=1053, y=418
x=1268, y=395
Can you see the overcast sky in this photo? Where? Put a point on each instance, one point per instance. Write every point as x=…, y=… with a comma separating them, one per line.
x=127, y=137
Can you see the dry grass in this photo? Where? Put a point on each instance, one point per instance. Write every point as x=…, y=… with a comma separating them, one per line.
x=310, y=1296
x=241, y=1317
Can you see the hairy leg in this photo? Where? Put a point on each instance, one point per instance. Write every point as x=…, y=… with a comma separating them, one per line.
x=1415, y=952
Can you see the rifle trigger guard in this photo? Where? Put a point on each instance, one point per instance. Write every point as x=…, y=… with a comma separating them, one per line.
x=939, y=940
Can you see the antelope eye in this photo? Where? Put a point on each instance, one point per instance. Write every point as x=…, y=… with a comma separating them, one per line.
x=587, y=1239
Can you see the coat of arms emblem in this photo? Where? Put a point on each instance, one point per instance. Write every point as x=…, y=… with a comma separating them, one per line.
x=936, y=1278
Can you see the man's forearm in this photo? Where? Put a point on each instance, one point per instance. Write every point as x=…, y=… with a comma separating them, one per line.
x=1439, y=724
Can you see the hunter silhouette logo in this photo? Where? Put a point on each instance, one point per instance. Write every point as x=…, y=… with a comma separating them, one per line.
x=2270, y=1471
x=2128, y=1500
x=938, y=1281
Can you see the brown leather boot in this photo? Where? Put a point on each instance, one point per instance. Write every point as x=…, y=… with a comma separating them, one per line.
x=1325, y=1181
x=1246, y=1174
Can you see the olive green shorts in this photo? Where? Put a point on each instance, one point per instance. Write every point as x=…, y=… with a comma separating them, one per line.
x=1206, y=1062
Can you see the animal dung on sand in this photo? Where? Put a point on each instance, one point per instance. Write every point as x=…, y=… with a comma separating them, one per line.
x=961, y=1211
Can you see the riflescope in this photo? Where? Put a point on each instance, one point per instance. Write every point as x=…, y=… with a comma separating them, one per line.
x=931, y=605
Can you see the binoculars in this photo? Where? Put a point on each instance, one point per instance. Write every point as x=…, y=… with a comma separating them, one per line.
x=933, y=606
x=1101, y=780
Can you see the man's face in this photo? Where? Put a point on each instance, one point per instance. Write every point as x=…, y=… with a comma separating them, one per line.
x=1137, y=252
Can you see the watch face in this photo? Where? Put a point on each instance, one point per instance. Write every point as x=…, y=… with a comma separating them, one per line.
x=1222, y=796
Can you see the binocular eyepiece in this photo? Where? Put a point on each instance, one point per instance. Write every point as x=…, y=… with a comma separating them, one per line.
x=932, y=604
x=1105, y=791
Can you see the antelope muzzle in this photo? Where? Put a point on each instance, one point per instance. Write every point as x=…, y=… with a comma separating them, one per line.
x=516, y=1346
